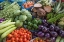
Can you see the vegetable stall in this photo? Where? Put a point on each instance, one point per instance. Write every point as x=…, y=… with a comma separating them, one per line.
x=31, y=20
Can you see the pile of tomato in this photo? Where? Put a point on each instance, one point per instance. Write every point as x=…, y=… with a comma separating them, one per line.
x=20, y=35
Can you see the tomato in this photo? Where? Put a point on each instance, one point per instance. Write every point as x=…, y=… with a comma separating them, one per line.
x=13, y=39
x=20, y=33
x=17, y=31
x=8, y=41
x=15, y=35
x=17, y=39
x=24, y=31
x=25, y=39
x=20, y=40
x=29, y=33
x=29, y=38
x=25, y=36
x=10, y=35
x=21, y=36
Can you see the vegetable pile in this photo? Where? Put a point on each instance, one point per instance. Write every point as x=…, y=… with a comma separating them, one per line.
x=32, y=21
x=20, y=35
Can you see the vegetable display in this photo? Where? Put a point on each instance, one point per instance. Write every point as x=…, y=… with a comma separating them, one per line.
x=31, y=21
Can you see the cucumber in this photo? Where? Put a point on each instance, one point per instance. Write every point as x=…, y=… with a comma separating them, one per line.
x=7, y=32
x=7, y=24
x=58, y=39
x=5, y=29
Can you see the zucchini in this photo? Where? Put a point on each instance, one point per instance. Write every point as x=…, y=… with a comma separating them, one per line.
x=5, y=29
x=7, y=24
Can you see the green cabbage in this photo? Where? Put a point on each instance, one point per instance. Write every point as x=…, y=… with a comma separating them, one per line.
x=22, y=17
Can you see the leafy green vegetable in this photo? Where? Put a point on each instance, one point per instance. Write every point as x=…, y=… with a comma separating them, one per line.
x=54, y=19
x=50, y=15
x=5, y=4
x=9, y=11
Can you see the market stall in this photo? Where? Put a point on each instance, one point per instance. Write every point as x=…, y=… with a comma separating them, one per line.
x=31, y=20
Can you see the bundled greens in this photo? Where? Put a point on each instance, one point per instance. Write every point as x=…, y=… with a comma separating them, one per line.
x=5, y=4
x=54, y=19
x=9, y=11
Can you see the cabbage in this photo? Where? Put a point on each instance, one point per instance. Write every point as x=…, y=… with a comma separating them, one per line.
x=22, y=17
x=18, y=23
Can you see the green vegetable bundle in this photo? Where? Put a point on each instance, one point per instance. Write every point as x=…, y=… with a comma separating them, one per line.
x=54, y=19
x=9, y=11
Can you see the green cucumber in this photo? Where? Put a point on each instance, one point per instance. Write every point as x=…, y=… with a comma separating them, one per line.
x=58, y=39
x=7, y=32
x=7, y=24
x=5, y=29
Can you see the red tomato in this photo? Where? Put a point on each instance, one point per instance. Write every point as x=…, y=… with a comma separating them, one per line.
x=25, y=39
x=29, y=33
x=8, y=41
x=21, y=40
x=24, y=31
x=17, y=31
x=15, y=35
x=29, y=38
x=10, y=35
x=25, y=36
x=13, y=39
x=17, y=39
